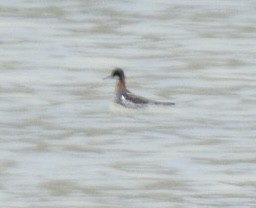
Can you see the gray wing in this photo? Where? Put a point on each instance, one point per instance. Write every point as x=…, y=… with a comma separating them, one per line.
x=130, y=100
x=136, y=99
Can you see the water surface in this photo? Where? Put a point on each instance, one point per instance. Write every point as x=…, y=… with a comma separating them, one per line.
x=65, y=144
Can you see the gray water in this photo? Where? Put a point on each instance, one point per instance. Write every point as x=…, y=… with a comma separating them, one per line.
x=65, y=144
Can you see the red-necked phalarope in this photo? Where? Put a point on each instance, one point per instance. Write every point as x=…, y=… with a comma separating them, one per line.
x=125, y=98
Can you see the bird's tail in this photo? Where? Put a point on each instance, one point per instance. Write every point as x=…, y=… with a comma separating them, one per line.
x=163, y=103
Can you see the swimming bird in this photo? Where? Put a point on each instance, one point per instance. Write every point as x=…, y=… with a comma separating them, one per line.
x=126, y=98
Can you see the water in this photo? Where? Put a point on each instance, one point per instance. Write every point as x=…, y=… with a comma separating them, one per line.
x=65, y=144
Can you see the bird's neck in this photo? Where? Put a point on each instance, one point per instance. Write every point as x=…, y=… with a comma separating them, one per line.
x=120, y=85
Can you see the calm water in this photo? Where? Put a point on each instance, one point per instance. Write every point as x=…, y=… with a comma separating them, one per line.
x=65, y=144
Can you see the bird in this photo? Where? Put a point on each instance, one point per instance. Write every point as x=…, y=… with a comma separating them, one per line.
x=126, y=98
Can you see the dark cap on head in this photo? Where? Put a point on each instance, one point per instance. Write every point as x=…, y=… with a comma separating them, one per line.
x=118, y=72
